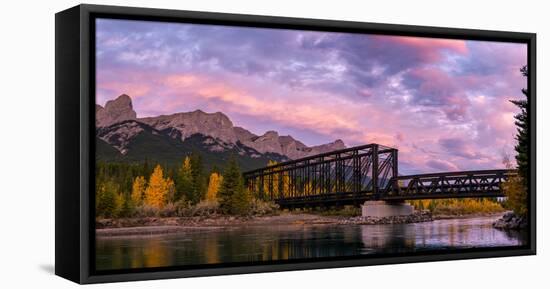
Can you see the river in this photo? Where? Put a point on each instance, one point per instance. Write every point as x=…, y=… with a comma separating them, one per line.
x=283, y=242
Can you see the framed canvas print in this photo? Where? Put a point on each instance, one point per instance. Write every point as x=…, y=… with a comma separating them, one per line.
x=193, y=144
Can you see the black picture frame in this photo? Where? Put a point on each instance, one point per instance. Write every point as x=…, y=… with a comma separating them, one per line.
x=75, y=128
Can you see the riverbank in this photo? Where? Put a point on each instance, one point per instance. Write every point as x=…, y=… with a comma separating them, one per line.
x=155, y=225
x=218, y=221
x=466, y=216
x=168, y=225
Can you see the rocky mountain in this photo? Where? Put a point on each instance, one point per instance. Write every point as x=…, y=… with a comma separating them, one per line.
x=114, y=111
x=118, y=127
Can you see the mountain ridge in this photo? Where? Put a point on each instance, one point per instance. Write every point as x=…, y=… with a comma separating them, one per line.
x=117, y=125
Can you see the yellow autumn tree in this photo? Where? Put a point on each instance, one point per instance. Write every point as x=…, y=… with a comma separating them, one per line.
x=138, y=190
x=286, y=184
x=213, y=187
x=308, y=188
x=272, y=179
x=157, y=191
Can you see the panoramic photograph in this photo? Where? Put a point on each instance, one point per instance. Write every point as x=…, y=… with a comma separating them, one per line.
x=230, y=145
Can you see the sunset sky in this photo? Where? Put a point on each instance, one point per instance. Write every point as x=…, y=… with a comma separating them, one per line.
x=443, y=103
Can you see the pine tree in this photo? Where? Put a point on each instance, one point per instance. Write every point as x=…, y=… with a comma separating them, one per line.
x=233, y=197
x=198, y=179
x=184, y=181
x=522, y=123
x=157, y=191
x=170, y=189
x=138, y=190
x=214, y=183
x=106, y=199
x=515, y=188
x=120, y=205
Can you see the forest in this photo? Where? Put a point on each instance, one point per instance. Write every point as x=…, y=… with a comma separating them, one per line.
x=144, y=190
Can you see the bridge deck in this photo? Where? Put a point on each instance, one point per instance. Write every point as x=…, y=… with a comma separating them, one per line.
x=469, y=184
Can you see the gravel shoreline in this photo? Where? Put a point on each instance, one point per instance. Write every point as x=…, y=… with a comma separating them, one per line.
x=156, y=226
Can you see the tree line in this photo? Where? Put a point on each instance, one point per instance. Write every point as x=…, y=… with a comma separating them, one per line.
x=127, y=190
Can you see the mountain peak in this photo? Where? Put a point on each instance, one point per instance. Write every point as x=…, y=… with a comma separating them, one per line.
x=271, y=134
x=124, y=97
x=339, y=142
x=116, y=110
x=216, y=125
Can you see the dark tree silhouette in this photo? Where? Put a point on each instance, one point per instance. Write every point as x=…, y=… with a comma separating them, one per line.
x=522, y=123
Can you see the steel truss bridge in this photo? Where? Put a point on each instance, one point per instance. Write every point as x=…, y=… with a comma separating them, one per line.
x=369, y=172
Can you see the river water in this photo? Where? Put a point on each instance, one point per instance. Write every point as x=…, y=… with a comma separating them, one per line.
x=265, y=243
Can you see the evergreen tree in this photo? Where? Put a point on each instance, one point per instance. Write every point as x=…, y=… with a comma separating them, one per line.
x=198, y=179
x=106, y=199
x=233, y=197
x=515, y=188
x=127, y=208
x=184, y=181
x=522, y=123
x=170, y=189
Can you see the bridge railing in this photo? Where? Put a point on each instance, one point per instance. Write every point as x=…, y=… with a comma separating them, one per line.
x=481, y=183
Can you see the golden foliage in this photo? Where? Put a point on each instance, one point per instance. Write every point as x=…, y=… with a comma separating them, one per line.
x=213, y=186
x=186, y=164
x=157, y=192
x=458, y=206
x=138, y=190
x=308, y=188
x=516, y=195
x=274, y=178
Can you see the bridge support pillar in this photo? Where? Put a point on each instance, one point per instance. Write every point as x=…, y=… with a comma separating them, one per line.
x=381, y=209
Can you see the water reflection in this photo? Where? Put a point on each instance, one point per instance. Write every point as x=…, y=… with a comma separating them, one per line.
x=259, y=243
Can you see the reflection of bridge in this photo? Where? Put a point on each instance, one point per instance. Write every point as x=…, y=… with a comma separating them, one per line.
x=358, y=174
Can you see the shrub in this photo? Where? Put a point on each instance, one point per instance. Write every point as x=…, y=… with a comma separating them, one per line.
x=516, y=195
x=260, y=208
x=346, y=211
x=206, y=208
x=145, y=211
x=169, y=210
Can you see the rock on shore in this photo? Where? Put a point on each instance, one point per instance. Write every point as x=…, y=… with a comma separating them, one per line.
x=416, y=217
x=511, y=221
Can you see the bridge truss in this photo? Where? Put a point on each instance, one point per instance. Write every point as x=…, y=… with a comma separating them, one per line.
x=368, y=172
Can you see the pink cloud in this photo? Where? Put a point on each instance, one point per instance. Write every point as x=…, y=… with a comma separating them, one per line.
x=442, y=165
x=429, y=49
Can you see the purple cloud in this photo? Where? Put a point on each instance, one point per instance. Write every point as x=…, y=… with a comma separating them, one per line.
x=442, y=102
x=461, y=148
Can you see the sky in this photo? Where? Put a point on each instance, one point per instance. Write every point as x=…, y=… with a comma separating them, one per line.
x=443, y=103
